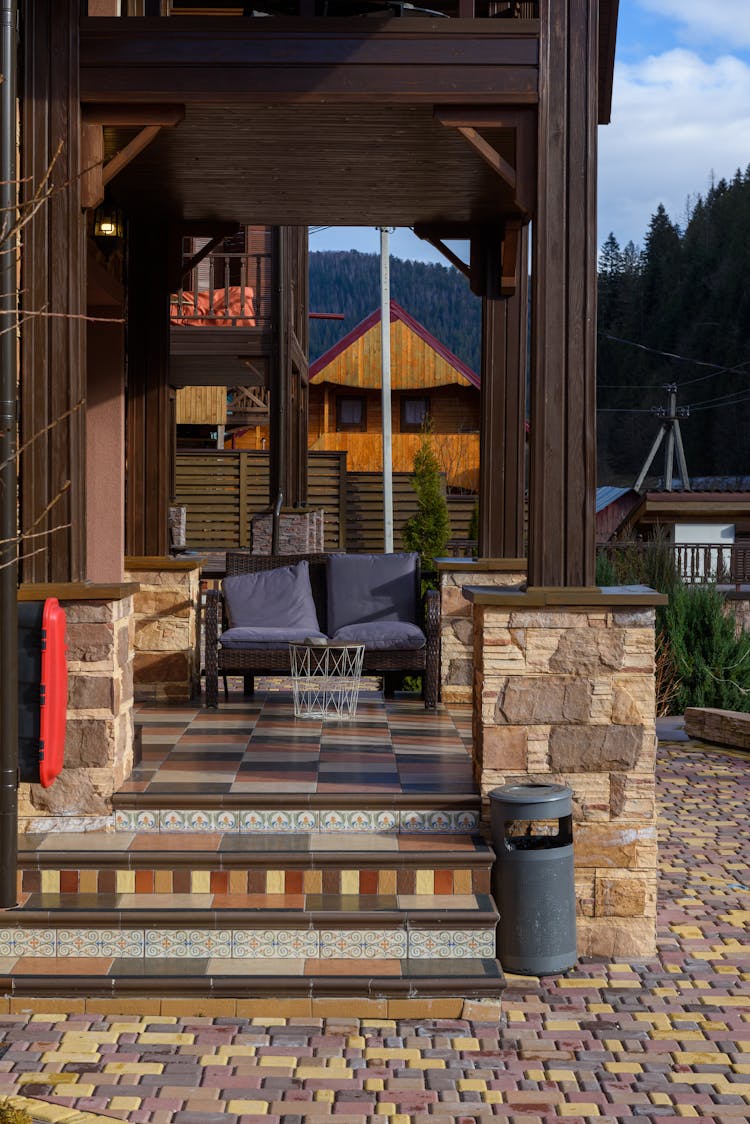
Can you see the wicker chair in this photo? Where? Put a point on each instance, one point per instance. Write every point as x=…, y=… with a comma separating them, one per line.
x=250, y=662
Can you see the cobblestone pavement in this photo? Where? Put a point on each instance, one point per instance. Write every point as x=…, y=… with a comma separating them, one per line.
x=611, y=1041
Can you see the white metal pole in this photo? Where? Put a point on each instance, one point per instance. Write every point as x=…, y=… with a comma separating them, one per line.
x=385, y=367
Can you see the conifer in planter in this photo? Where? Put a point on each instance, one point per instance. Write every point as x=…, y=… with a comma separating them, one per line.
x=428, y=531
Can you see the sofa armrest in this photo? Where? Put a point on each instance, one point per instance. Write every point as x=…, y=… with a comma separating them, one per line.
x=212, y=620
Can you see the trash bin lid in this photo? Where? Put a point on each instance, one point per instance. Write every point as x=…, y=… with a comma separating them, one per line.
x=530, y=793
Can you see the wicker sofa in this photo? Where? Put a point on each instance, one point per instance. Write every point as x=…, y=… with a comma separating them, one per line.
x=249, y=661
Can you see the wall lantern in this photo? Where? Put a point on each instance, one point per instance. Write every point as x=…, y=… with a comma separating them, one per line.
x=108, y=227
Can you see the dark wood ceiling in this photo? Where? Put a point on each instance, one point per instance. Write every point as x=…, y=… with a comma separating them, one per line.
x=300, y=165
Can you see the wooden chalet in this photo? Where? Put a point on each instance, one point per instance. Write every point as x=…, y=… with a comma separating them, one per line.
x=431, y=388
x=473, y=121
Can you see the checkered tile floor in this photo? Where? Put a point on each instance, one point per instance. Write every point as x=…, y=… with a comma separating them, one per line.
x=255, y=745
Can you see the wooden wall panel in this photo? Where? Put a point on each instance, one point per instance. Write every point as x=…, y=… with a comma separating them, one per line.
x=150, y=465
x=53, y=353
x=562, y=527
x=201, y=405
x=503, y=445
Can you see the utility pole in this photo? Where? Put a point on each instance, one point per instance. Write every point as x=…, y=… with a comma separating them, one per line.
x=385, y=368
x=669, y=428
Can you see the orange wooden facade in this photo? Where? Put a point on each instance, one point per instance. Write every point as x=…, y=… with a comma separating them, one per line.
x=422, y=371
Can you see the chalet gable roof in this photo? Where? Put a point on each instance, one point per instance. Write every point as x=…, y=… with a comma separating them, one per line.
x=319, y=367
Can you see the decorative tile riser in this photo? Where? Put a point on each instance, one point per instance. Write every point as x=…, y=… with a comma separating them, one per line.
x=384, y=881
x=325, y=821
x=252, y=944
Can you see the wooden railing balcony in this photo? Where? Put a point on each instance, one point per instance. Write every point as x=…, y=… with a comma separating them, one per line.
x=228, y=290
x=695, y=563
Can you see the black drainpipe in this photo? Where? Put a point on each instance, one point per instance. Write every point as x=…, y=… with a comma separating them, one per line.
x=8, y=476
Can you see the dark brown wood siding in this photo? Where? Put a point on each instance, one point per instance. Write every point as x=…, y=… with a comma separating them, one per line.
x=53, y=355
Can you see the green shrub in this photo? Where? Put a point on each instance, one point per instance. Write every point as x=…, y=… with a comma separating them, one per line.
x=710, y=660
x=428, y=531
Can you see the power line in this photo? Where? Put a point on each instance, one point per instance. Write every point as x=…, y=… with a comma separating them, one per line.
x=622, y=410
x=716, y=368
x=727, y=400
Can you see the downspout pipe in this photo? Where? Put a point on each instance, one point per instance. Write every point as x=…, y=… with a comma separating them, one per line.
x=8, y=451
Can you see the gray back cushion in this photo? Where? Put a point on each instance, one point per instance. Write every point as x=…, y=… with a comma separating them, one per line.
x=371, y=587
x=278, y=598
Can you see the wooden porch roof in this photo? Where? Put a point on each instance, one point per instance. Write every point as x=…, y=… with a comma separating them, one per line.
x=329, y=120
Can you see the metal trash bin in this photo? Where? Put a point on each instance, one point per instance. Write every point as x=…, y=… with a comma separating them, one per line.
x=533, y=880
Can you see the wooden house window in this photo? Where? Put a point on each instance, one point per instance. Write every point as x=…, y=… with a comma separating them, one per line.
x=351, y=413
x=415, y=413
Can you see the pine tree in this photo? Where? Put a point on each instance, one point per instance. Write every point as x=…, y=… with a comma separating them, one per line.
x=428, y=531
x=711, y=660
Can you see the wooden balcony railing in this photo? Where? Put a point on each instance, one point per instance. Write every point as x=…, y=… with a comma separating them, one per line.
x=695, y=563
x=227, y=290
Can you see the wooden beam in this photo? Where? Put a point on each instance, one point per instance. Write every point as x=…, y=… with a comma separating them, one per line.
x=202, y=61
x=135, y=116
x=446, y=251
x=129, y=152
x=92, y=162
x=490, y=156
x=204, y=251
x=520, y=122
x=509, y=270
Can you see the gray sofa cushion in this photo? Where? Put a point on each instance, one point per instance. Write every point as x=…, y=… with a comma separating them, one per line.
x=370, y=587
x=266, y=638
x=280, y=598
x=382, y=636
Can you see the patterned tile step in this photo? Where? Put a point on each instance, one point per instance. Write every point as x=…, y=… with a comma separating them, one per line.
x=267, y=978
x=292, y=820
x=413, y=876
x=437, y=941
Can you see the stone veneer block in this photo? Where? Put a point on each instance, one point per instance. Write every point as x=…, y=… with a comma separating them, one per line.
x=456, y=621
x=564, y=693
x=165, y=629
x=725, y=727
x=99, y=735
x=300, y=532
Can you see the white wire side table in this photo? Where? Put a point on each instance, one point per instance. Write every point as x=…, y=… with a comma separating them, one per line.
x=326, y=679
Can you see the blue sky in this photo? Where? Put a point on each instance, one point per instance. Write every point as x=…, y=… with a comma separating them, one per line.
x=680, y=115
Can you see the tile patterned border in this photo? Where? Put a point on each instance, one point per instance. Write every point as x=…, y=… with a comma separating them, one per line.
x=253, y=944
x=277, y=821
x=279, y=878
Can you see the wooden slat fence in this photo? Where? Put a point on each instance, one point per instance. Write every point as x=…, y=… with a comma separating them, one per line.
x=221, y=490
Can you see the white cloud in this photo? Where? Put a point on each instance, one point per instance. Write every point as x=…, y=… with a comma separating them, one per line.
x=676, y=120
x=702, y=21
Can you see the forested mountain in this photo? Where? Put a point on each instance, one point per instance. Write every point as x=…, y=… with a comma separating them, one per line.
x=437, y=296
x=687, y=293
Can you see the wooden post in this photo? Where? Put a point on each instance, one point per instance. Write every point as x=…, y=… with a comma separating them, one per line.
x=502, y=446
x=149, y=482
x=53, y=351
x=563, y=346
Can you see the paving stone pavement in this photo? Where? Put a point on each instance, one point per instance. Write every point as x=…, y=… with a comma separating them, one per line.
x=665, y=1039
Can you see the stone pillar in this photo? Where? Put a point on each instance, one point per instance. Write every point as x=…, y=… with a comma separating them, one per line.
x=99, y=741
x=564, y=692
x=456, y=620
x=167, y=655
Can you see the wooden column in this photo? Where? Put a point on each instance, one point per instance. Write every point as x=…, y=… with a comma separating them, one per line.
x=53, y=348
x=288, y=410
x=502, y=446
x=563, y=347
x=279, y=384
x=148, y=486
